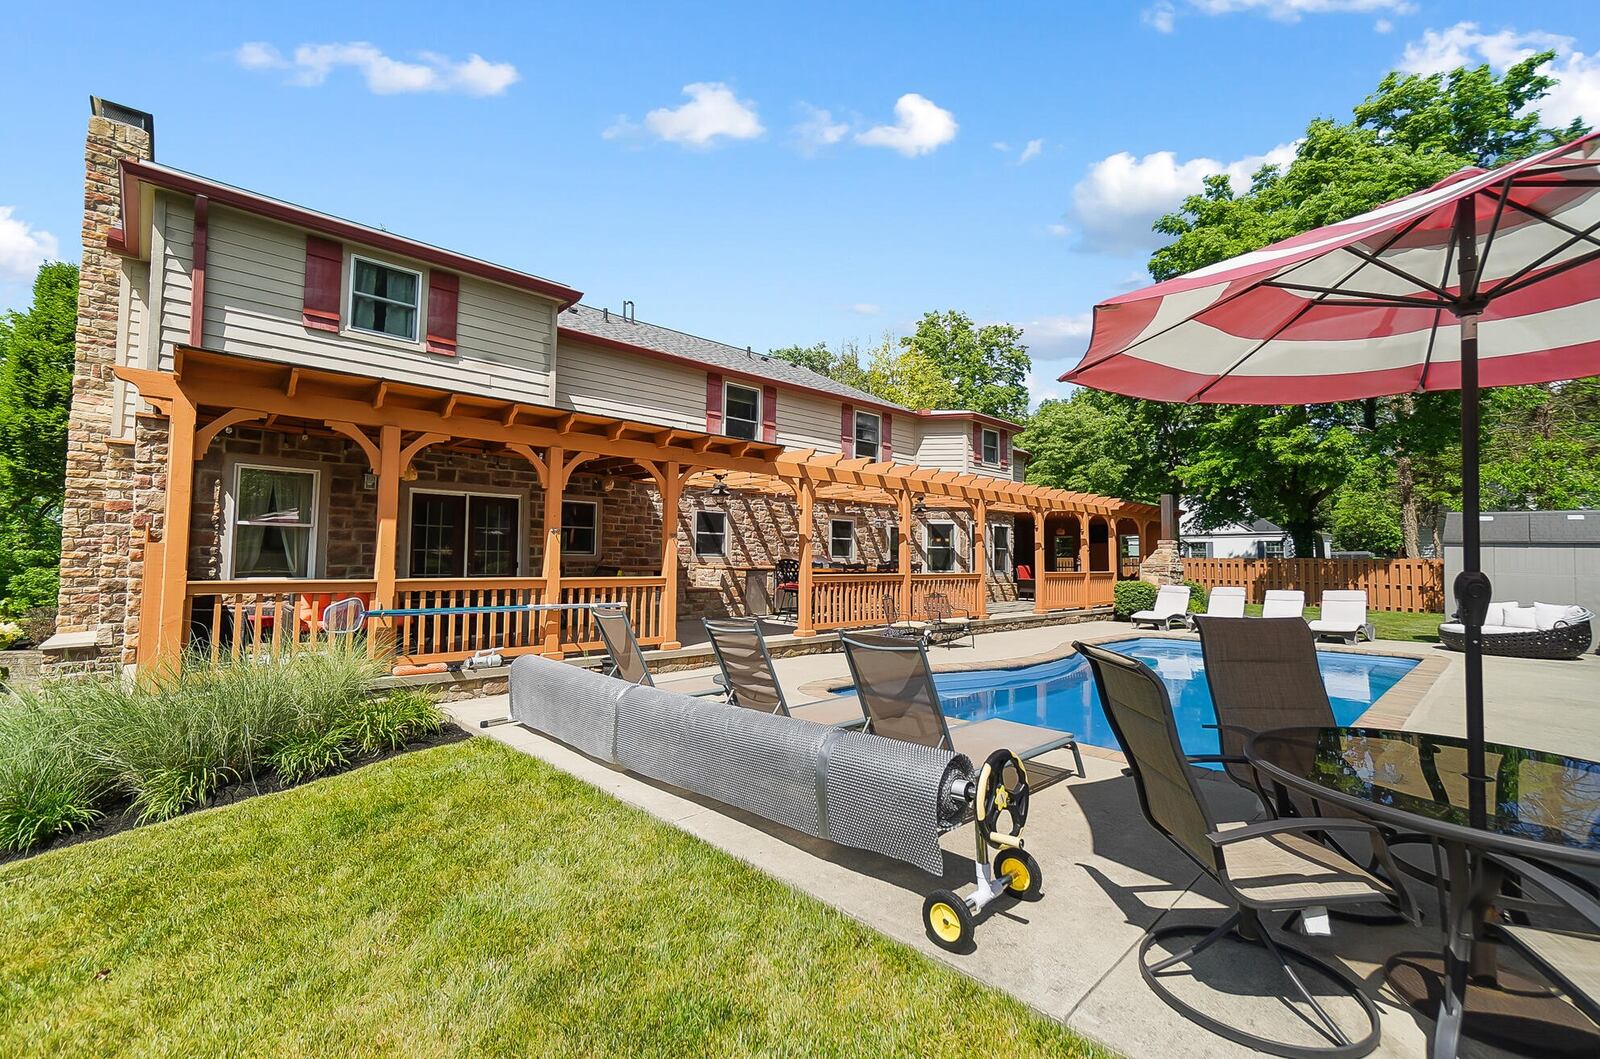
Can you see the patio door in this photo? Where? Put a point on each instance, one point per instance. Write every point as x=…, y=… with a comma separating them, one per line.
x=464, y=535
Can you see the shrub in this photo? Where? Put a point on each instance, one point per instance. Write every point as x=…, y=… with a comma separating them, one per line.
x=299, y=757
x=1199, y=596
x=32, y=589
x=1133, y=596
x=391, y=721
x=48, y=786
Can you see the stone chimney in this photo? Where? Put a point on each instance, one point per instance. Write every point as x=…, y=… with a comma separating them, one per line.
x=97, y=523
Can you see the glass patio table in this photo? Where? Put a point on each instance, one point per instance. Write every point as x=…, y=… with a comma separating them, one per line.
x=1543, y=807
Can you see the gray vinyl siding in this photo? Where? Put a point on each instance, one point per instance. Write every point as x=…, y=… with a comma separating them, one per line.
x=255, y=294
x=628, y=386
x=132, y=351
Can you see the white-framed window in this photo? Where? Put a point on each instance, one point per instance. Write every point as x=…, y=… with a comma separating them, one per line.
x=941, y=547
x=1272, y=549
x=711, y=533
x=454, y=533
x=1196, y=549
x=384, y=299
x=991, y=446
x=580, y=527
x=1000, y=557
x=741, y=411
x=275, y=520
x=842, y=540
x=869, y=435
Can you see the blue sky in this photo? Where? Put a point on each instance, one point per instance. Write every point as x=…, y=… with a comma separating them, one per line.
x=757, y=174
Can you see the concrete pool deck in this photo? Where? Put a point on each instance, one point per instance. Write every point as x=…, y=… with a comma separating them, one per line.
x=1108, y=877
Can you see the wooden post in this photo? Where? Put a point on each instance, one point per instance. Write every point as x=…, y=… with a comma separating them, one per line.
x=980, y=557
x=1038, y=562
x=387, y=544
x=554, y=489
x=803, y=604
x=903, y=560
x=151, y=587
x=671, y=492
x=171, y=609
x=1083, y=554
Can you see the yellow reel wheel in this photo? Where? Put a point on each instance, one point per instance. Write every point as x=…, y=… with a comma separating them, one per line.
x=948, y=920
x=1026, y=879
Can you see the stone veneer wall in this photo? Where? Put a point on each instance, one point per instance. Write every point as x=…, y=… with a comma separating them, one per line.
x=101, y=555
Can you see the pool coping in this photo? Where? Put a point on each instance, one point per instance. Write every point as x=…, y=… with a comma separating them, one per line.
x=1393, y=709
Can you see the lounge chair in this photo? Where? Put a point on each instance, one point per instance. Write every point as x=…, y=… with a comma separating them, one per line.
x=945, y=624
x=895, y=685
x=627, y=661
x=1344, y=614
x=1225, y=602
x=1284, y=603
x=1544, y=630
x=747, y=670
x=1171, y=605
x=1268, y=867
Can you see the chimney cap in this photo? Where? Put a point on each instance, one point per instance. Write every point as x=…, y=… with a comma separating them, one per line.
x=139, y=119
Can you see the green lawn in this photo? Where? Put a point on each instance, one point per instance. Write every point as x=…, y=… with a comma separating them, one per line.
x=1389, y=626
x=465, y=900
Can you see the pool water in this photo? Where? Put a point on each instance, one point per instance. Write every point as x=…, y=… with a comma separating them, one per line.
x=1061, y=694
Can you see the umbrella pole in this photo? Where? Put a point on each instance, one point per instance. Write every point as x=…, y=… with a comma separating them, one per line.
x=1473, y=590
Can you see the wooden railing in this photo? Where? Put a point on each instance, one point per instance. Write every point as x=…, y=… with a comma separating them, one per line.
x=421, y=639
x=1414, y=585
x=252, y=617
x=1076, y=591
x=845, y=601
x=960, y=589
x=643, y=596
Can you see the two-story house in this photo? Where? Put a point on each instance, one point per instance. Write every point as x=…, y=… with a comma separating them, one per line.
x=275, y=407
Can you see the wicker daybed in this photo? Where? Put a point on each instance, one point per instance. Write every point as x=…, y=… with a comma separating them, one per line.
x=1568, y=636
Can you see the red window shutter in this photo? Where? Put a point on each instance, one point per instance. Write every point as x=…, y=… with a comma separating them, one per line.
x=713, y=403
x=888, y=438
x=1005, y=449
x=847, y=430
x=977, y=443
x=769, y=414
x=324, y=283
x=444, y=298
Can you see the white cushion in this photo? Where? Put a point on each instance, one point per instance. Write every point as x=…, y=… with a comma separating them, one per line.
x=1320, y=625
x=1545, y=615
x=1453, y=626
x=1521, y=618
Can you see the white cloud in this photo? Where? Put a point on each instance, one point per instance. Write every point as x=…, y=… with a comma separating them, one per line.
x=1383, y=25
x=865, y=309
x=1033, y=150
x=1121, y=196
x=713, y=112
x=1160, y=17
x=817, y=130
x=311, y=64
x=1577, y=91
x=921, y=126
x=22, y=247
x=1059, y=230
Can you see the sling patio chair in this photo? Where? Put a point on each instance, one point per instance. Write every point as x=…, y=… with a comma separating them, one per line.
x=1268, y=867
x=946, y=625
x=1171, y=605
x=1570, y=958
x=627, y=661
x=1225, y=602
x=752, y=682
x=1283, y=603
x=895, y=685
x=894, y=624
x=1344, y=614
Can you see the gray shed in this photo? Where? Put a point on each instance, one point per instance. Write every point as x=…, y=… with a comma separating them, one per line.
x=1532, y=556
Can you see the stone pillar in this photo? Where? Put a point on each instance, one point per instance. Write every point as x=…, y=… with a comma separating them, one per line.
x=1163, y=566
x=100, y=582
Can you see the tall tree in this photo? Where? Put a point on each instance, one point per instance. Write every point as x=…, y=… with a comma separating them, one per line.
x=36, y=360
x=986, y=366
x=1084, y=444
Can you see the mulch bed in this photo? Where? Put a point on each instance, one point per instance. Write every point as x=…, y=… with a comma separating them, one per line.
x=121, y=817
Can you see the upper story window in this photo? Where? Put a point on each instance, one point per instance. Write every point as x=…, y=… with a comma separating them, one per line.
x=991, y=446
x=275, y=522
x=384, y=300
x=869, y=435
x=741, y=412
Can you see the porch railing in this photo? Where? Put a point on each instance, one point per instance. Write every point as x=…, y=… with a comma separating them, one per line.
x=427, y=638
x=1076, y=591
x=234, y=618
x=845, y=601
x=960, y=589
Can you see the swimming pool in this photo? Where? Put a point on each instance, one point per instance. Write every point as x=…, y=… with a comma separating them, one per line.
x=1061, y=694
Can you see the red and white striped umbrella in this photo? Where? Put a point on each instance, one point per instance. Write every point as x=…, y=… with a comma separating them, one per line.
x=1373, y=305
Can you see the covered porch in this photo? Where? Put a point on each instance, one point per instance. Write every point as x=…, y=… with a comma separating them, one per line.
x=415, y=498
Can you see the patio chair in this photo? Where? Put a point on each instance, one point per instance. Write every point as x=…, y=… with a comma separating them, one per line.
x=894, y=624
x=1171, y=605
x=1268, y=867
x=1026, y=586
x=1225, y=602
x=1344, y=614
x=945, y=625
x=1569, y=958
x=1283, y=603
x=626, y=661
x=787, y=589
x=752, y=682
x=895, y=685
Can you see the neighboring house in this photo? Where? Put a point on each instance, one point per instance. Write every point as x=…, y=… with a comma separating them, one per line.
x=275, y=407
x=1257, y=539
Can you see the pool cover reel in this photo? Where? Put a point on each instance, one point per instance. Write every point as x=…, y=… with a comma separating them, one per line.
x=858, y=790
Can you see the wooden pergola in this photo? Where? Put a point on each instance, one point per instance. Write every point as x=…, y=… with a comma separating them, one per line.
x=391, y=423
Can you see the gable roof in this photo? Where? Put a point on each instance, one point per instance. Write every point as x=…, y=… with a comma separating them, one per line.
x=588, y=321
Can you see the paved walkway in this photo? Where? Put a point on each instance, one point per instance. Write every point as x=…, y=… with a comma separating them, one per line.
x=1108, y=877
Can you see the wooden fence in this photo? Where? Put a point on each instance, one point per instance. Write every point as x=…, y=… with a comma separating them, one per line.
x=1414, y=585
